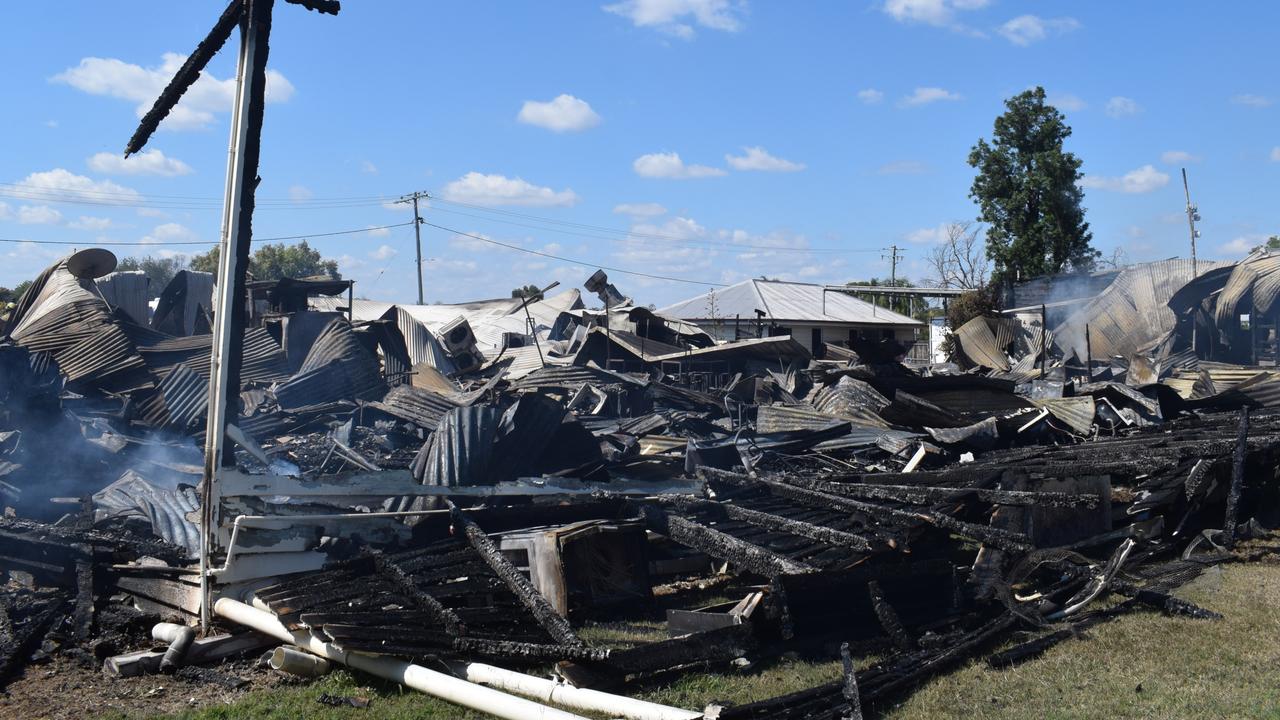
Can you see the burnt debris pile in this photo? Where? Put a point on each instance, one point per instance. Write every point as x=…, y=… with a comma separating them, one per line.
x=448, y=486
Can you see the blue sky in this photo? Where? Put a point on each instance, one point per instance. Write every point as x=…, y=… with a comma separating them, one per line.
x=707, y=140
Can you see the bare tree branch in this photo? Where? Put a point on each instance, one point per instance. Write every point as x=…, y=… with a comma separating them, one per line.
x=961, y=261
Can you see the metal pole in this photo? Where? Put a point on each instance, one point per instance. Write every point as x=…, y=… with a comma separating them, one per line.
x=1044, y=350
x=228, y=319
x=1191, y=223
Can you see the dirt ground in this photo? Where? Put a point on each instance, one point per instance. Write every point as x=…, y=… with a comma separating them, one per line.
x=64, y=689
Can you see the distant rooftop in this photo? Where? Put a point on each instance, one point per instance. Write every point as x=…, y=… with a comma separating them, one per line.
x=785, y=302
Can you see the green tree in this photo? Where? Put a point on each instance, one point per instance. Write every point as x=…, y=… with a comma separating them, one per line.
x=1272, y=243
x=8, y=296
x=273, y=262
x=912, y=305
x=1027, y=192
x=159, y=270
x=527, y=291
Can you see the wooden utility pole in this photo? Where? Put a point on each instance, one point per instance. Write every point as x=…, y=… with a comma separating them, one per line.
x=894, y=255
x=417, y=232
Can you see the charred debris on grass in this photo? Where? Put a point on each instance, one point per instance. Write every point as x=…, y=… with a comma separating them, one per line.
x=480, y=482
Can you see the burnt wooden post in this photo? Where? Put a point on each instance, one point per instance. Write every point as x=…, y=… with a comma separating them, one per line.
x=1088, y=351
x=1237, y=480
x=227, y=356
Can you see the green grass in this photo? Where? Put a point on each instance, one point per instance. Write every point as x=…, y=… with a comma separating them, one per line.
x=1143, y=665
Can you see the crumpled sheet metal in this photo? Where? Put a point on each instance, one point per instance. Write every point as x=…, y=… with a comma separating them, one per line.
x=337, y=367
x=420, y=407
x=164, y=507
x=851, y=399
x=184, y=303
x=1132, y=315
x=1076, y=412
x=988, y=342
x=127, y=291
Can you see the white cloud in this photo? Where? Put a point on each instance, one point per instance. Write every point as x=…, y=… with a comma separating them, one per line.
x=1143, y=180
x=870, y=96
x=757, y=158
x=565, y=113
x=903, y=167
x=38, y=215
x=640, y=210
x=88, y=222
x=1175, y=157
x=368, y=168
x=669, y=16
x=384, y=252
x=1248, y=100
x=209, y=95
x=940, y=13
x=147, y=162
x=925, y=236
x=1027, y=29
x=482, y=189
x=1275, y=154
x=1120, y=106
x=927, y=95
x=1243, y=245
x=5, y=213
x=669, y=165
x=1067, y=102
x=63, y=184
x=471, y=242
x=170, y=233
x=379, y=231
x=300, y=193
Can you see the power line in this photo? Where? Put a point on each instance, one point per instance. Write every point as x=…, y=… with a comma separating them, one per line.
x=561, y=258
x=205, y=242
x=104, y=198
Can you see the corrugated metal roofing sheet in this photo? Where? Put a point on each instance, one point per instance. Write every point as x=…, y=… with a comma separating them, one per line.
x=1132, y=314
x=785, y=302
x=420, y=407
x=129, y=291
x=852, y=399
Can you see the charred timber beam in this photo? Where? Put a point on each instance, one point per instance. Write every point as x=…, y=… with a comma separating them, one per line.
x=803, y=529
x=552, y=621
x=186, y=76
x=442, y=615
x=927, y=495
x=330, y=7
x=1003, y=539
x=529, y=651
x=715, y=543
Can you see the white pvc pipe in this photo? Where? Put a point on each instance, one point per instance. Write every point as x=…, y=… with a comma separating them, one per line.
x=550, y=691
x=295, y=662
x=446, y=687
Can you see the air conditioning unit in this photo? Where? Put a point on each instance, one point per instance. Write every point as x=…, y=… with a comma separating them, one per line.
x=457, y=336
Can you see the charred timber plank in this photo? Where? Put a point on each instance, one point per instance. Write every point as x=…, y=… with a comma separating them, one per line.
x=850, y=688
x=1237, y=481
x=714, y=646
x=888, y=617
x=552, y=621
x=529, y=651
x=82, y=618
x=745, y=555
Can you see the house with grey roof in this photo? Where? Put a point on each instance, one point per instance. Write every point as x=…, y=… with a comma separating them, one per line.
x=812, y=314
